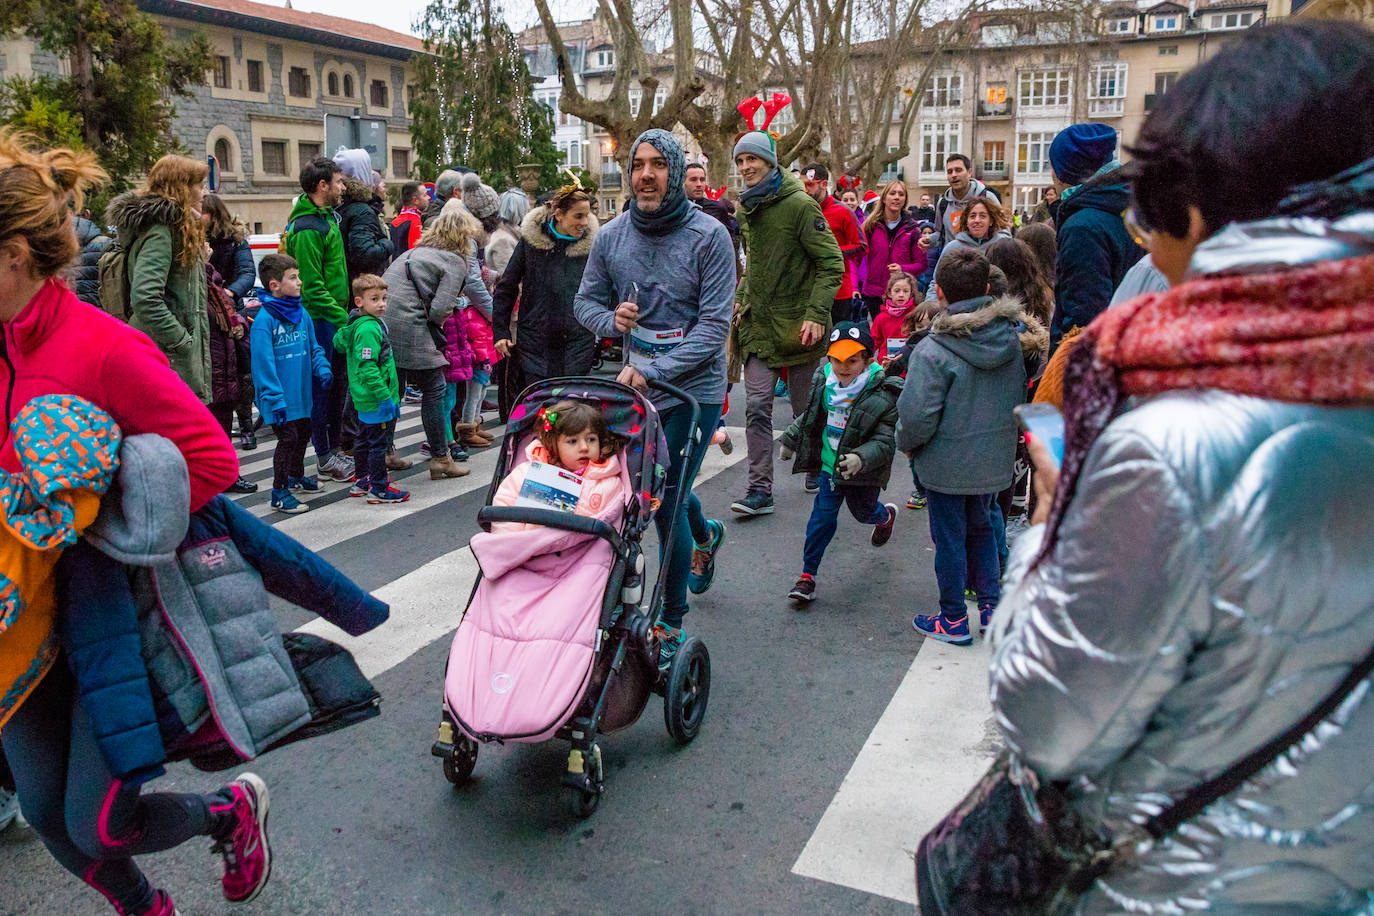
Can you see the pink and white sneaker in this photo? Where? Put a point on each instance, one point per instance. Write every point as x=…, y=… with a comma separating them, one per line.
x=247, y=855
x=162, y=906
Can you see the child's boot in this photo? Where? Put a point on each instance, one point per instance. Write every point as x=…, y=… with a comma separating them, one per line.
x=284, y=500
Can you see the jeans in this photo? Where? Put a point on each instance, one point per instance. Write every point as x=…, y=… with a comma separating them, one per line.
x=825, y=516
x=961, y=527
x=758, y=413
x=288, y=460
x=369, y=455
x=915, y=480
x=691, y=524
x=432, y=414
x=327, y=404
x=92, y=823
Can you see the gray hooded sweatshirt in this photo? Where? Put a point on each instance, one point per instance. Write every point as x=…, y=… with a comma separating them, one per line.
x=956, y=407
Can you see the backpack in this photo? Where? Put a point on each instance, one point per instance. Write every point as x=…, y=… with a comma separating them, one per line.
x=113, y=271
x=311, y=221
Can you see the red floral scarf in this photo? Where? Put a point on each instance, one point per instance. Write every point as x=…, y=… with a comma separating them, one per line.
x=1304, y=335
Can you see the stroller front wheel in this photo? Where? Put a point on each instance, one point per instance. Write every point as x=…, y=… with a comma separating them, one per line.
x=687, y=690
x=460, y=762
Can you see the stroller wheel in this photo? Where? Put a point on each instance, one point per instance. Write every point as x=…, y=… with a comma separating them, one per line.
x=687, y=689
x=583, y=799
x=459, y=763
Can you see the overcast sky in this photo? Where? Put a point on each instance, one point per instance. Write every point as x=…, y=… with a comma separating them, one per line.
x=400, y=14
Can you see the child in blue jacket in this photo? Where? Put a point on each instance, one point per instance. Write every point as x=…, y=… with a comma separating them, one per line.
x=285, y=358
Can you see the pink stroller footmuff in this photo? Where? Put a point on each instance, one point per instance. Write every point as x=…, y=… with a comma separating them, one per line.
x=523, y=653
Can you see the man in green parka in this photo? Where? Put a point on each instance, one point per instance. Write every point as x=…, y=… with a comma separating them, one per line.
x=793, y=271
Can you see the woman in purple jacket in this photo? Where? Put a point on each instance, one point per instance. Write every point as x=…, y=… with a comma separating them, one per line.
x=893, y=246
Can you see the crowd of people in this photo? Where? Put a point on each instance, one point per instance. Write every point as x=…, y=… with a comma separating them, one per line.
x=1186, y=580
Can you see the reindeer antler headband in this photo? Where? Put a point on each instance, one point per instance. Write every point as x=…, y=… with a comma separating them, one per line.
x=750, y=107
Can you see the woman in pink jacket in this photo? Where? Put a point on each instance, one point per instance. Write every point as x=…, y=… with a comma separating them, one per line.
x=893, y=246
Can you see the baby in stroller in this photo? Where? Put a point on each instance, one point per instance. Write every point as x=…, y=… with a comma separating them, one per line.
x=572, y=463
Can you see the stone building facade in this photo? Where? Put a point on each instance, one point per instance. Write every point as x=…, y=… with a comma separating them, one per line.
x=276, y=73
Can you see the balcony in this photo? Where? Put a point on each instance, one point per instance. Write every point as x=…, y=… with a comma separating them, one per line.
x=1106, y=108
x=610, y=181
x=989, y=112
x=995, y=172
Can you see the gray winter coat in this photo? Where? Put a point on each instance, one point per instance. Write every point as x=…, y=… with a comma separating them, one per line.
x=964, y=240
x=1211, y=583
x=955, y=409
x=209, y=639
x=424, y=286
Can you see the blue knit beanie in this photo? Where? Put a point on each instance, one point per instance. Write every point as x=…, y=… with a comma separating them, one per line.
x=759, y=143
x=1079, y=150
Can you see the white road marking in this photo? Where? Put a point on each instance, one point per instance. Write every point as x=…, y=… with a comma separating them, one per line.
x=928, y=749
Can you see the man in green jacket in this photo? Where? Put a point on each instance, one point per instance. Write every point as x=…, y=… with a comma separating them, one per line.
x=793, y=271
x=313, y=238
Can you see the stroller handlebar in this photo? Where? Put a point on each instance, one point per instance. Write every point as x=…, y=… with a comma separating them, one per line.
x=550, y=518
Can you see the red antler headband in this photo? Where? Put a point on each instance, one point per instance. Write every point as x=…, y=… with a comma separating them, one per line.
x=748, y=108
x=715, y=193
x=777, y=103
x=848, y=182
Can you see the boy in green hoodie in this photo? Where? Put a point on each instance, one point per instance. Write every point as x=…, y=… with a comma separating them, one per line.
x=376, y=392
x=845, y=437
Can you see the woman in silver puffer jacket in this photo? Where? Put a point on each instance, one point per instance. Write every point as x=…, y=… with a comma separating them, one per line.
x=1206, y=573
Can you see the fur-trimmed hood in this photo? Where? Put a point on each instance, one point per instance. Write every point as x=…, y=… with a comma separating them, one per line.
x=533, y=231
x=133, y=214
x=238, y=232
x=971, y=330
x=357, y=192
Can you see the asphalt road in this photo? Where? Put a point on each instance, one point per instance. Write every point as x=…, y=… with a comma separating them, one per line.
x=364, y=822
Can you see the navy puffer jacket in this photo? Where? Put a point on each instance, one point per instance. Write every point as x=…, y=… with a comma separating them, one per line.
x=1095, y=251
x=93, y=243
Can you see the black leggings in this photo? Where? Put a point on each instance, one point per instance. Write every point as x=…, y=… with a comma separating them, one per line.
x=91, y=822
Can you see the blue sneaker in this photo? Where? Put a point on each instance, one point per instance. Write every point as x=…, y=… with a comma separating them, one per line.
x=704, y=558
x=985, y=617
x=304, y=484
x=389, y=495
x=670, y=639
x=360, y=488
x=283, y=501
x=954, y=632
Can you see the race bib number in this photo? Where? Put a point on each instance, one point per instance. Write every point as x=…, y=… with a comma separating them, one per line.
x=549, y=487
x=894, y=346
x=956, y=221
x=648, y=344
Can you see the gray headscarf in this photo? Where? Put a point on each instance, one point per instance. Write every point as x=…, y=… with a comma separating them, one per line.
x=676, y=209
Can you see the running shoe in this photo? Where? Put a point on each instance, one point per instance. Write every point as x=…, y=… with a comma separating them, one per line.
x=412, y=395
x=917, y=500
x=247, y=854
x=755, y=502
x=284, y=501
x=360, y=488
x=805, y=589
x=882, y=532
x=670, y=639
x=243, y=485
x=162, y=905
x=304, y=484
x=704, y=558
x=954, y=632
x=985, y=617
x=9, y=807
x=333, y=468
x=389, y=495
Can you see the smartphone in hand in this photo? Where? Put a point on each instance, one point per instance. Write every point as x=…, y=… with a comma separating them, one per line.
x=1044, y=422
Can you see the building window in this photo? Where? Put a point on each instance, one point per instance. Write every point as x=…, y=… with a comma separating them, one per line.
x=331, y=83
x=222, y=153
x=1043, y=89
x=1231, y=20
x=307, y=151
x=298, y=83
x=1167, y=23
x=938, y=141
x=348, y=85
x=1033, y=153
x=944, y=91
x=994, y=156
x=997, y=94
x=221, y=72
x=255, y=83
x=892, y=170
x=1119, y=26
x=378, y=94
x=605, y=59
x=400, y=162
x=257, y=228
x=1164, y=82
x=1168, y=51
x=635, y=96
x=1107, y=90
x=274, y=157
x=660, y=96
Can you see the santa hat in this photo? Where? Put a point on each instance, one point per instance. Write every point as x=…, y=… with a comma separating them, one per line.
x=870, y=196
